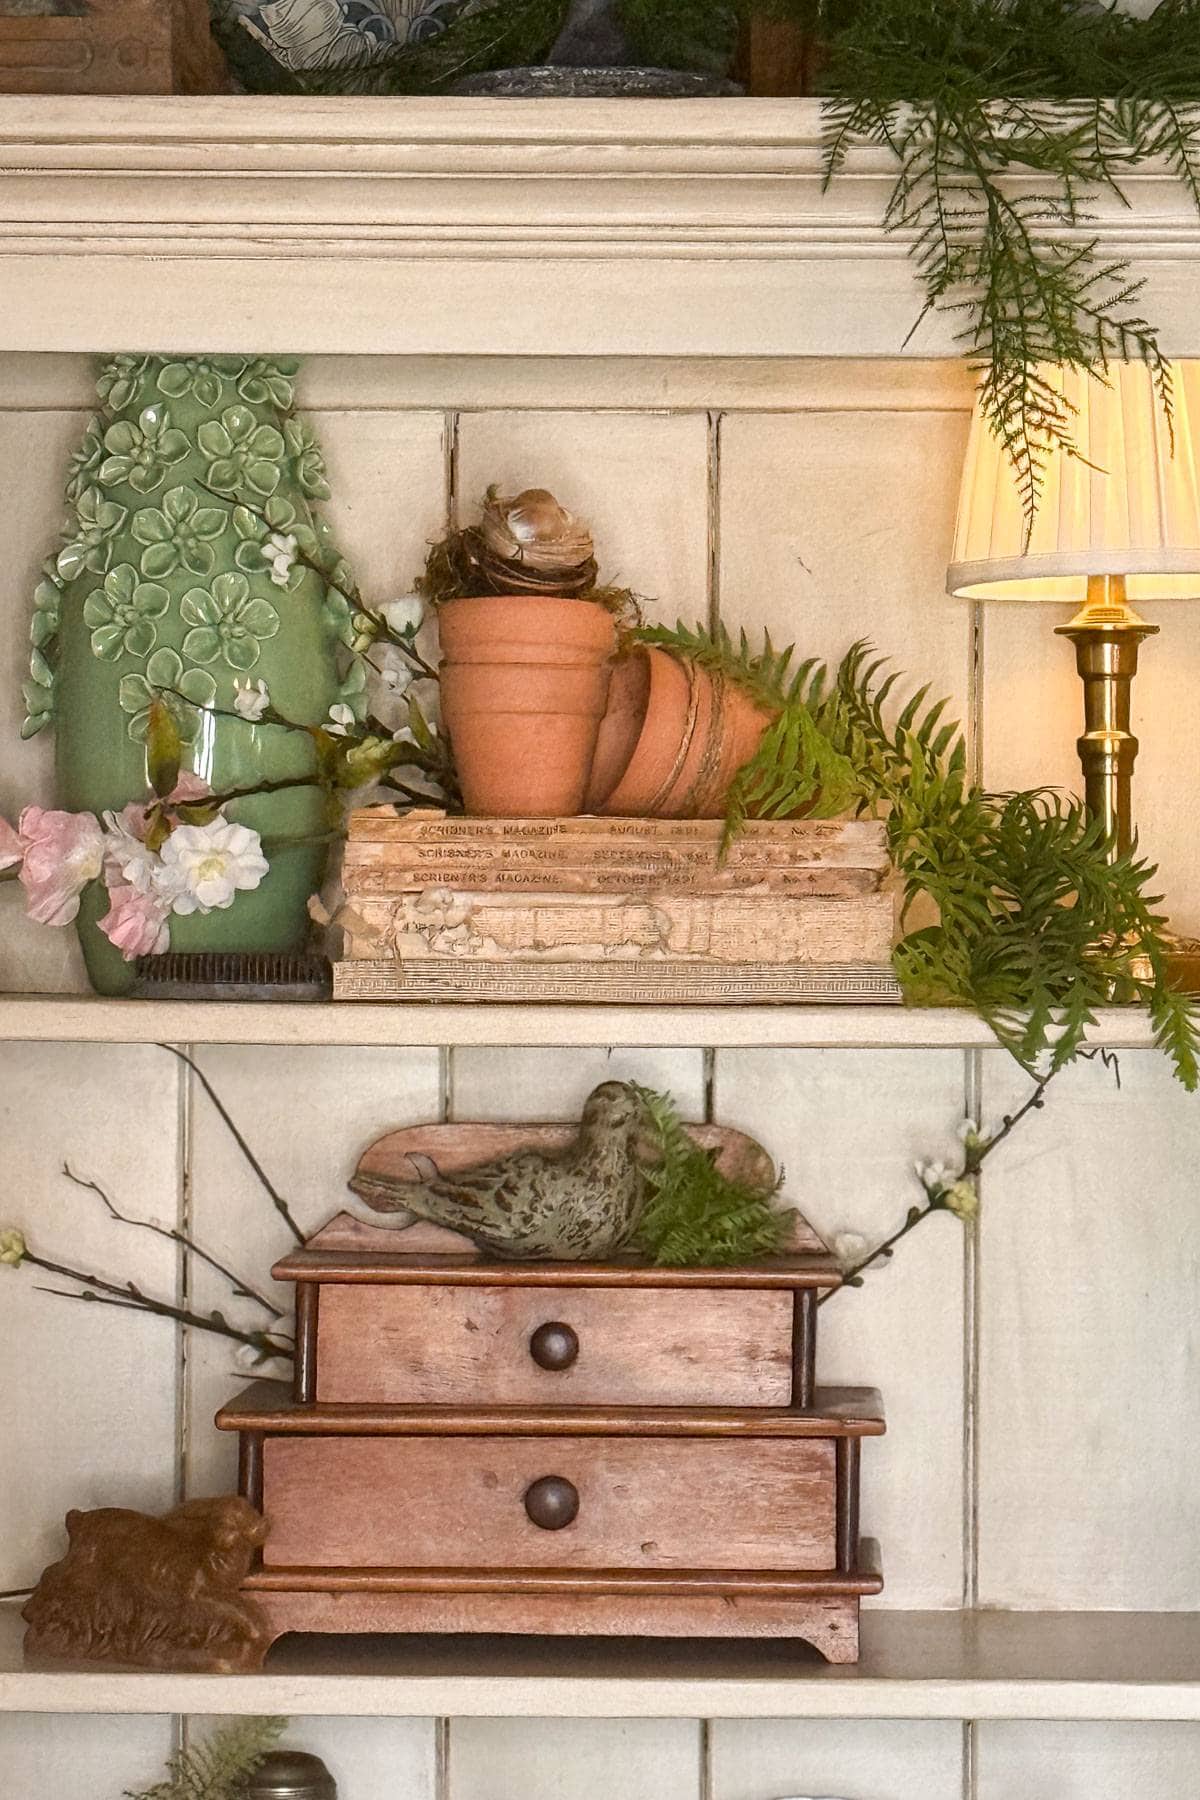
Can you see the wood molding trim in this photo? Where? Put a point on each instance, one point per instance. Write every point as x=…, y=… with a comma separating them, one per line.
x=656, y=229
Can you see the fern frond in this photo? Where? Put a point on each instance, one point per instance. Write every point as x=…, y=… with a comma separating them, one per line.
x=694, y=1216
x=218, y=1767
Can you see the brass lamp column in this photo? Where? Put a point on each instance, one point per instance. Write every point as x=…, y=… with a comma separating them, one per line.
x=1117, y=526
x=1107, y=634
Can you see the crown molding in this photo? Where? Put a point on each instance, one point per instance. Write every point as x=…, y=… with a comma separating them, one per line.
x=442, y=226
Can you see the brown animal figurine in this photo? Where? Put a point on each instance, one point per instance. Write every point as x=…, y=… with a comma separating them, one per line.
x=154, y=1593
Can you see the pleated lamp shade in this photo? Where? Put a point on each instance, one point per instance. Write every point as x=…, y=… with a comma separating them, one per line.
x=1135, y=513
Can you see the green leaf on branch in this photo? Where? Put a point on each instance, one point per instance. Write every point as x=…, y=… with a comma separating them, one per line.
x=164, y=749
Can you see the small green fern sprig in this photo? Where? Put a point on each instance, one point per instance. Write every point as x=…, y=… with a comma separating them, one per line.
x=218, y=1767
x=694, y=1216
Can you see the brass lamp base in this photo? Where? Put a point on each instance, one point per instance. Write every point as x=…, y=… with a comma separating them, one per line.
x=1107, y=634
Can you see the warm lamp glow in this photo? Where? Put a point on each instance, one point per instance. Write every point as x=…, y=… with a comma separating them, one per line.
x=1134, y=513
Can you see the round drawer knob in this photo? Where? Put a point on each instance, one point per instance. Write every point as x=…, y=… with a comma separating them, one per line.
x=554, y=1345
x=552, y=1502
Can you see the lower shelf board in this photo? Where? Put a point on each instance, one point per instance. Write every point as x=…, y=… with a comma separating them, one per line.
x=915, y=1665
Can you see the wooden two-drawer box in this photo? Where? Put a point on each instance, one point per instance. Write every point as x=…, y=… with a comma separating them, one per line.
x=557, y=1448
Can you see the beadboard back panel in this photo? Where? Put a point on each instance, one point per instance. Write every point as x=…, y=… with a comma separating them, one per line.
x=1039, y=1372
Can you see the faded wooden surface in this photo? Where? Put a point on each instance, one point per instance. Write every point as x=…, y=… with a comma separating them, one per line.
x=425, y=1503
x=442, y=1344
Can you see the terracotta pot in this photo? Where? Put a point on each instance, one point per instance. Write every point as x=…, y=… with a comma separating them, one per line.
x=690, y=730
x=524, y=682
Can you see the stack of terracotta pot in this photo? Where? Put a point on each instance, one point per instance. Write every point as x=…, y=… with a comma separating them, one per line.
x=547, y=716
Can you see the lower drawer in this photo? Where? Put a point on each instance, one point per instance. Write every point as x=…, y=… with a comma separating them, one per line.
x=494, y=1503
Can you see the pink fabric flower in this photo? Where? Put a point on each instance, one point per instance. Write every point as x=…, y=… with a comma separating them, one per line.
x=188, y=789
x=12, y=850
x=136, y=923
x=63, y=852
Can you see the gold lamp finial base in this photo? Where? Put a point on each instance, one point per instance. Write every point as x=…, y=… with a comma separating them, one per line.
x=1106, y=633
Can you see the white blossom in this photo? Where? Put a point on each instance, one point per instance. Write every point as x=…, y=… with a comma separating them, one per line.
x=212, y=863
x=280, y=552
x=250, y=700
x=934, y=1175
x=341, y=719
x=395, y=673
x=404, y=615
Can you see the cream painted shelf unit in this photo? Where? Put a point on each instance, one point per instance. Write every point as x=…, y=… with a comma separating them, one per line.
x=921, y=1665
x=476, y=231
x=83, y=1019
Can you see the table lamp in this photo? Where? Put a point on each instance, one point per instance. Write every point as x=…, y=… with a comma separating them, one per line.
x=1118, y=524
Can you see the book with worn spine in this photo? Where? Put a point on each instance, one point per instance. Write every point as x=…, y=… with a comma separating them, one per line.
x=619, y=910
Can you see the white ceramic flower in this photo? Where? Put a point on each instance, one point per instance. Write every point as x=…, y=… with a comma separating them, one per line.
x=280, y=551
x=404, y=616
x=341, y=718
x=250, y=700
x=212, y=864
x=395, y=674
x=12, y=1248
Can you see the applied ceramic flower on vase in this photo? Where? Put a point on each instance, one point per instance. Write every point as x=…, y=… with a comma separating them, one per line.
x=181, y=577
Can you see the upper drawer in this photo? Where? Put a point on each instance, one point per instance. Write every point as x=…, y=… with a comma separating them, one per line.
x=549, y=1503
x=411, y=1345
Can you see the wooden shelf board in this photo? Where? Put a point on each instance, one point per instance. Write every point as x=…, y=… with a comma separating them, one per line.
x=1129, y=1666
x=83, y=1018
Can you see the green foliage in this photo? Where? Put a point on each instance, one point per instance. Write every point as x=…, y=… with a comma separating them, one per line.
x=695, y=1216
x=1037, y=923
x=965, y=93
x=218, y=1768
x=819, y=780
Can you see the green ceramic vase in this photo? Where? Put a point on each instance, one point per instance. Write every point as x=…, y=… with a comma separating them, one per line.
x=192, y=489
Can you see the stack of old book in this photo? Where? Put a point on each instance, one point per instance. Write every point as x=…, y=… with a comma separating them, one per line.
x=441, y=908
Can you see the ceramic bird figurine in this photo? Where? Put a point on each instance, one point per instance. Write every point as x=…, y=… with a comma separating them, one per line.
x=575, y=1205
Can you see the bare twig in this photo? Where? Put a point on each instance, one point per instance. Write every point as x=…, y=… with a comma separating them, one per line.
x=280, y=1204
x=131, y=1298
x=241, y=1287
x=938, y=1194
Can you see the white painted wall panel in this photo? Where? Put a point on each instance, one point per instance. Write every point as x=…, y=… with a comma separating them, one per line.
x=90, y=1418
x=871, y=1758
x=1089, y=1414
x=846, y=1126
x=1088, y=1762
x=574, y=1759
x=75, y=1757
